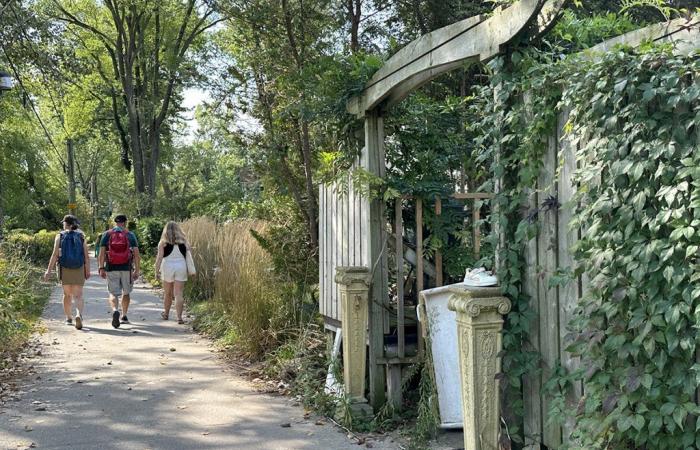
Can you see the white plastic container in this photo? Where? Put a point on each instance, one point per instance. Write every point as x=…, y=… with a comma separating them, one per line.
x=442, y=329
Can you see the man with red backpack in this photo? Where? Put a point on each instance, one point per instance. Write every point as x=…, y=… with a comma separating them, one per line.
x=119, y=262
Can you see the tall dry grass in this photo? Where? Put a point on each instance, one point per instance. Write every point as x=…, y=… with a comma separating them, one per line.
x=202, y=234
x=235, y=274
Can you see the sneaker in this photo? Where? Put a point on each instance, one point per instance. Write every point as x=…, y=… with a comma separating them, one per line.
x=125, y=319
x=480, y=277
x=69, y=321
x=115, y=319
x=78, y=323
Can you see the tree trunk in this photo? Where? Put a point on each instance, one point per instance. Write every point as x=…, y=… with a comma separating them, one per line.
x=311, y=204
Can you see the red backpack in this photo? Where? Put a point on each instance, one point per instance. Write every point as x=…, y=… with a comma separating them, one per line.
x=118, y=248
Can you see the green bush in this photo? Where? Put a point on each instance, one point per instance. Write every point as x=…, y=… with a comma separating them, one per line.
x=148, y=232
x=36, y=248
x=23, y=299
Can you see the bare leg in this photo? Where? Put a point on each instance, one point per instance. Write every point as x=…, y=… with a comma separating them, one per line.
x=178, y=292
x=125, y=304
x=67, y=297
x=113, y=302
x=78, y=298
x=167, y=297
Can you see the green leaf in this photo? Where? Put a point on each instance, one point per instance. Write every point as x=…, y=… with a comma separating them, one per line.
x=624, y=423
x=638, y=422
x=655, y=425
x=679, y=416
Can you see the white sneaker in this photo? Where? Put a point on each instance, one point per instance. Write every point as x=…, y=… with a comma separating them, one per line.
x=480, y=277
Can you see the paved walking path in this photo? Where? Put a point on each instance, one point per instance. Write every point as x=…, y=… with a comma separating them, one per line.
x=148, y=385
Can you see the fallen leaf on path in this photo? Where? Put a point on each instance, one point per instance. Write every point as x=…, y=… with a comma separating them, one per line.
x=205, y=433
x=320, y=422
x=182, y=407
x=28, y=428
x=40, y=408
x=286, y=425
x=172, y=349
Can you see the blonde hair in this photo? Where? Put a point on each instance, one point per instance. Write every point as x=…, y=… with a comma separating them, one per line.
x=172, y=234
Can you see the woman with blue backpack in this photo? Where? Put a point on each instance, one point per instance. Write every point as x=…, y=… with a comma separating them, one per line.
x=71, y=253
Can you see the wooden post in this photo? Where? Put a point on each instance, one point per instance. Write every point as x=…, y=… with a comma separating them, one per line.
x=374, y=164
x=419, y=272
x=438, y=253
x=400, y=325
x=476, y=216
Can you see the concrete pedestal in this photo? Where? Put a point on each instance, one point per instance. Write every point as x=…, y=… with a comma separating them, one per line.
x=354, y=289
x=479, y=323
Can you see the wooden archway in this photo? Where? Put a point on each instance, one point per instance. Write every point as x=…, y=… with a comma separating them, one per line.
x=476, y=39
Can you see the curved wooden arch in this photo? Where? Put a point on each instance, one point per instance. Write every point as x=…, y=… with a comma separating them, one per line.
x=477, y=38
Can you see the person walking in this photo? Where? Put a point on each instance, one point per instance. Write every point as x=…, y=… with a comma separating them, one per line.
x=119, y=262
x=173, y=264
x=71, y=252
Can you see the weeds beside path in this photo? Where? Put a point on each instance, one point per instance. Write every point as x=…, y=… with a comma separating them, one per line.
x=151, y=384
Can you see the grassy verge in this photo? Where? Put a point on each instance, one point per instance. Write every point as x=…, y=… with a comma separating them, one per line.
x=22, y=300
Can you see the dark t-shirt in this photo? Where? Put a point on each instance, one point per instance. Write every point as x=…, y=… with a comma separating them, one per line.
x=105, y=242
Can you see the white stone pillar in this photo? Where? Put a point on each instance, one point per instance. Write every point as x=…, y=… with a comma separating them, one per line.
x=354, y=289
x=479, y=323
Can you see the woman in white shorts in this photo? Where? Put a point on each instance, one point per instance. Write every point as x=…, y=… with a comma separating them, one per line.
x=173, y=264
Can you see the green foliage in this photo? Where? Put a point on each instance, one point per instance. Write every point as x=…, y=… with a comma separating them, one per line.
x=36, y=248
x=148, y=232
x=574, y=33
x=23, y=300
x=639, y=205
x=303, y=363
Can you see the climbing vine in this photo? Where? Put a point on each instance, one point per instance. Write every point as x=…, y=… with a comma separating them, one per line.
x=638, y=206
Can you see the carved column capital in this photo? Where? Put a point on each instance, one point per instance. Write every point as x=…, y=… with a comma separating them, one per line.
x=353, y=276
x=475, y=302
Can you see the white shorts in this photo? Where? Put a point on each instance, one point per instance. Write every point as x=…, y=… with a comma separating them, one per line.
x=173, y=271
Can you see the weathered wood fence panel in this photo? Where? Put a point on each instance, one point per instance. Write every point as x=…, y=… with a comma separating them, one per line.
x=546, y=254
x=344, y=240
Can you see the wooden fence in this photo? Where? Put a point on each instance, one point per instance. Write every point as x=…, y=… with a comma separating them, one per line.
x=343, y=239
x=547, y=252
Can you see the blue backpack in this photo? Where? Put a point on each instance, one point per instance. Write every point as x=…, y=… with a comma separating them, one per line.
x=72, y=255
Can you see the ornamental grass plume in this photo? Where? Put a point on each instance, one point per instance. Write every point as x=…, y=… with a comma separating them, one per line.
x=234, y=276
x=202, y=234
x=245, y=287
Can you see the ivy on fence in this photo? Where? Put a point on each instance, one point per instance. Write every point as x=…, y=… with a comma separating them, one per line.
x=638, y=205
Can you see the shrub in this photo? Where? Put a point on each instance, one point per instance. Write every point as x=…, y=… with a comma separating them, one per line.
x=22, y=301
x=36, y=248
x=148, y=232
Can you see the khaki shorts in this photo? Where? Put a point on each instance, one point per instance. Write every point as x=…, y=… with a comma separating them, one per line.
x=119, y=282
x=73, y=277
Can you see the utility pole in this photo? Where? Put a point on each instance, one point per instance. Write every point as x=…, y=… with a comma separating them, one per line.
x=93, y=200
x=71, y=177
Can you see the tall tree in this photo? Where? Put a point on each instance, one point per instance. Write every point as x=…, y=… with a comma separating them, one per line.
x=145, y=58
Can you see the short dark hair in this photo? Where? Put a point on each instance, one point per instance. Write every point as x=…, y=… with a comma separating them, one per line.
x=72, y=221
x=120, y=218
